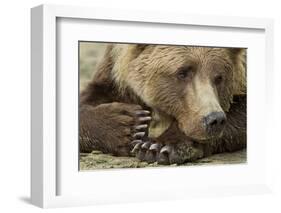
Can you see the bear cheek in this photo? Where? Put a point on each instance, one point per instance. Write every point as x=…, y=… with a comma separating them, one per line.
x=225, y=93
x=191, y=126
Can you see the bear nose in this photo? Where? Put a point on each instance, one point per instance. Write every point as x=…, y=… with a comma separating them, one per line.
x=214, y=122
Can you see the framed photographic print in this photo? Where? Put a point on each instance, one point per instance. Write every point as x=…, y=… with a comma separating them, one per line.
x=129, y=106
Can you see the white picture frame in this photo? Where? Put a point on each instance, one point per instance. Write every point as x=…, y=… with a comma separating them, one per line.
x=48, y=168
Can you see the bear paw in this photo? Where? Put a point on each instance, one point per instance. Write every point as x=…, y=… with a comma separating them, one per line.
x=178, y=153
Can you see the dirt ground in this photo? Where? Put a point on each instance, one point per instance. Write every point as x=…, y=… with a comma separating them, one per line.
x=90, y=54
x=97, y=160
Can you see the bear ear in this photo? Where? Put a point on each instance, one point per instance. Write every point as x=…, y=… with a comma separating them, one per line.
x=127, y=52
x=141, y=47
x=236, y=51
x=239, y=56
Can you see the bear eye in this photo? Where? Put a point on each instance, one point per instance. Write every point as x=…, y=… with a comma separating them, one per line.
x=218, y=79
x=185, y=72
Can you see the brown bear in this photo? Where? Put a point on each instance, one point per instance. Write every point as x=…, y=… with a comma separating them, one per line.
x=166, y=104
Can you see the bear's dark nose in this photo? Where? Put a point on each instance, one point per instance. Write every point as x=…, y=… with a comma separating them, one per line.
x=214, y=122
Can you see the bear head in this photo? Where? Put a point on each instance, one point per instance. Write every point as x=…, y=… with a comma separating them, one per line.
x=192, y=85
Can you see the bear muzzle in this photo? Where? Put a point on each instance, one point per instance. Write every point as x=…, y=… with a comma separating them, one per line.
x=214, y=123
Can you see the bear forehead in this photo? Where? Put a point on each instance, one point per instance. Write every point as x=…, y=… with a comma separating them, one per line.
x=178, y=56
x=191, y=51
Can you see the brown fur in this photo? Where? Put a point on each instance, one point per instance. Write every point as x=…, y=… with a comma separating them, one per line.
x=131, y=77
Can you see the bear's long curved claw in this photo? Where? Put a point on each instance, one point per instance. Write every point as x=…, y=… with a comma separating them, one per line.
x=145, y=145
x=141, y=127
x=155, y=147
x=135, y=142
x=166, y=149
x=143, y=119
x=136, y=147
x=142, y=112
x=139, y=135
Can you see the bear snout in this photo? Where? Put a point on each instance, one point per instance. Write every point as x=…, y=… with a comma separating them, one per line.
x=214, y=123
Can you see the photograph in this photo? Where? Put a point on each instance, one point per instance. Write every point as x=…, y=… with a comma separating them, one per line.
x=156, y=106
x=151, y=105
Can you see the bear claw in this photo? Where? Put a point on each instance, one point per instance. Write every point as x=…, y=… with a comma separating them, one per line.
x=139, y=135
x=141, y=127
x=142, y=116
x=166, y=149
x=142, y=112
x=143, y=148
x=134, y=142
x=139, y=131
x=137, y=147
x=152, y=152
x=155, y=147
x=145, y=145
x=144, y=119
